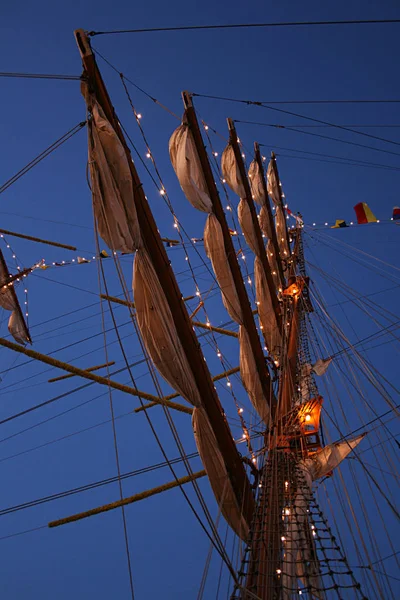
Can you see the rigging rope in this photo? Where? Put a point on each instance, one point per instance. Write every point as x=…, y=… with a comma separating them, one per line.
x=42, y=76
x=249, y=26
x=43, y=155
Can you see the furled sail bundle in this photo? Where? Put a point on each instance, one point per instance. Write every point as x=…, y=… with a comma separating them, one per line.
x=118, y=225
x=9, y=301
x=186, y=163
x=230, y=171
x=122, y=220
x=258, y=193
x=214, y=465
x=280, y=219
x=111, y=182
x=189, y=173
x=158, y=333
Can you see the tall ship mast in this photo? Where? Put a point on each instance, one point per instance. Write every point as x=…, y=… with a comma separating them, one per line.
x=265, y=480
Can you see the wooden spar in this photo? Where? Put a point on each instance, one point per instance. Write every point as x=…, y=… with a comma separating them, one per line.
x=290, y=361
x=216, y=378
x=233, y=140
x=16, y=277
x=216, y=329
x=15, y=297
x=131, y=304
x=36, y=239
x=172, y=242
x=117, y=300
x=49, y=360
x=89, y=370
x=196, y=310
x=129, y=500
x=160, y=261
x=282, y=204
x=274, y=239
x=248, y=320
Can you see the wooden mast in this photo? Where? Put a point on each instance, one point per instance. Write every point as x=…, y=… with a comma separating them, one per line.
x=274, y=239
x=248, y=319
x=161, y=263
x=233, y=140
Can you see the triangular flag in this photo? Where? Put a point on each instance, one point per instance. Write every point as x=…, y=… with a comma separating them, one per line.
x=339, y=223
x=396, y=213
x=364, y=214
x=103, y=254
x=81, y=260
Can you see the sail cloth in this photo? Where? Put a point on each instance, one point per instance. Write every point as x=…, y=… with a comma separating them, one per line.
x=266, y=314
x=215, y=249
x=9, y=301
x=230, y=171
x=111, y=182
x=329, y=457
x=256, y=183
x=186, y=163
x=216, y=471
x=246, y=223
x=158, y=331
x=320, y=367
x=271, y=332
x=280, y=226
x=273, y=183
x=215, y=246
x=273, y=264
x=250, y=377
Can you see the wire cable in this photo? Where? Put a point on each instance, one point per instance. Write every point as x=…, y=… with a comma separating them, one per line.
x=249, y=26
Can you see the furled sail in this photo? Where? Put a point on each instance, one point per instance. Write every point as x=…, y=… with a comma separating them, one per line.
x=215, y=247
x=273, y=186
x=273, y=263
x=230, y=171
x=111, y=182
x=249, y=375
x=185, y=160
x=273, y=183
x=158, y=331
x=9, y=301
x=214, y=465
x=280, y=226
x=269, y=325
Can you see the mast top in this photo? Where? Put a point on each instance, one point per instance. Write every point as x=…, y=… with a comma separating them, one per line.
x=187, y=99
x=83, y=43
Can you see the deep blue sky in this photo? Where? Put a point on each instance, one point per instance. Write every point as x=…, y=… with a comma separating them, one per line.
x=53, y=201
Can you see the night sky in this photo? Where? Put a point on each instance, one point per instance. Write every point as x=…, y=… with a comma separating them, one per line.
x=70, y=442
